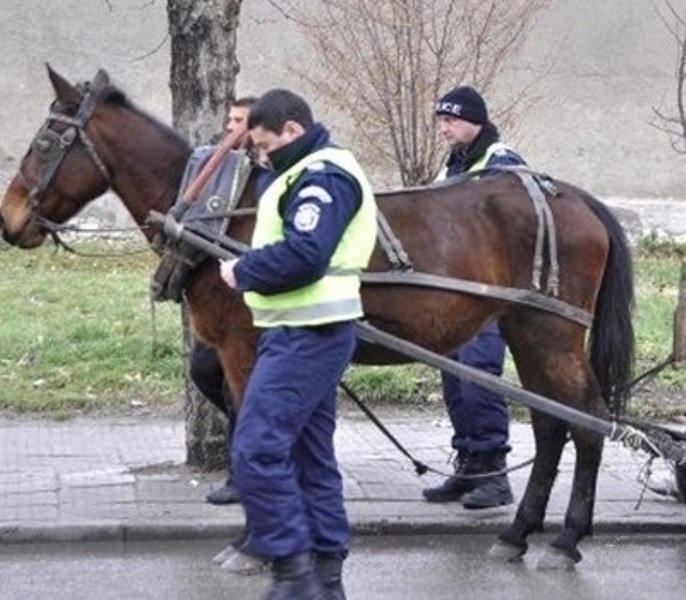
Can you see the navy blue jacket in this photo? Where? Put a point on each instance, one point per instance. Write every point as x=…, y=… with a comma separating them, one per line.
x=303, y=256
x=461, y=159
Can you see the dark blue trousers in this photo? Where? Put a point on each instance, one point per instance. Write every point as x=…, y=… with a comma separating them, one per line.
x=208, y=376
x=479, y=417
x=283, y=454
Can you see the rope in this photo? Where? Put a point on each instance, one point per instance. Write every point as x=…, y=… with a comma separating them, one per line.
x=54, y=229
x=635, y=439
x=650, y=373
x=420, y=467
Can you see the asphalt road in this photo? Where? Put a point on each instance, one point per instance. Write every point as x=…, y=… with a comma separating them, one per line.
x=379, y=567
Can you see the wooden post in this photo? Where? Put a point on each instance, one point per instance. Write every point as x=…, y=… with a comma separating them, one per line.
x=680, y=321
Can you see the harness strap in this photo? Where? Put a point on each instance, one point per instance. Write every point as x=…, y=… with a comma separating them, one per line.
x=239, y=180
x=545, y=225
x=531, y=298
x=391, y=245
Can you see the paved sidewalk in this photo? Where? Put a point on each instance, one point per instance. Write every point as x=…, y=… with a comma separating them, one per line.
x=124, y=479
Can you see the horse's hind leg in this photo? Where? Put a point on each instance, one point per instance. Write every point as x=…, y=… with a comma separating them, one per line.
x=551, y=360
x=550, y=435
x=563, y=552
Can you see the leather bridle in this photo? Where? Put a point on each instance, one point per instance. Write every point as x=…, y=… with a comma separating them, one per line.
x=51, y=148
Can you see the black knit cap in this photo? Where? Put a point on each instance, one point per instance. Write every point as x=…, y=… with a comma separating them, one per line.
x=463, y=102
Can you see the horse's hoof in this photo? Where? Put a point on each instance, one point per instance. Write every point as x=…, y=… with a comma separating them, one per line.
x=506, y=552
x=554, y=559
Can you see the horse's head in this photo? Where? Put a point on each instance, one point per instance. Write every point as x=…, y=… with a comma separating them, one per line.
x=62, y=170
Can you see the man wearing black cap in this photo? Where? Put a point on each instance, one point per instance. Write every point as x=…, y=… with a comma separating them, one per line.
x=479, y=417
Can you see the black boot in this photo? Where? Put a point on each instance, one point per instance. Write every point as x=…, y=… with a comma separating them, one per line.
x=294, y=579
x=328, y=568
x=488, y=492
x=453, y=488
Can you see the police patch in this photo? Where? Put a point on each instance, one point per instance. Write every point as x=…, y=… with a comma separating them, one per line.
x=317, y=165
x=315, y=191
x=307, y=217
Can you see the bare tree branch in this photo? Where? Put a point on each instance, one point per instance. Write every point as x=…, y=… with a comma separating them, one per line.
x=674, y=126
x=384, y=63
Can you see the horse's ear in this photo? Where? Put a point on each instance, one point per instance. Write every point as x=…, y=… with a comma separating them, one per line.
x=64, y=91
x=101, y=79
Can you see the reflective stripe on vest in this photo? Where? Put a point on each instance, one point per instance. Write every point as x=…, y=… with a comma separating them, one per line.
x=490, y=151
x=336, y=296
x=479, y=164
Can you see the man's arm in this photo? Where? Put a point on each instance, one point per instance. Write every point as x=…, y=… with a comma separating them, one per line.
x=318, y=211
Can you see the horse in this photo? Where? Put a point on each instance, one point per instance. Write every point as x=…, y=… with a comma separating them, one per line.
x=483, y=230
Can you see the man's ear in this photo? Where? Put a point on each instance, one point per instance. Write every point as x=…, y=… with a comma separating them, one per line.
x=293, y=128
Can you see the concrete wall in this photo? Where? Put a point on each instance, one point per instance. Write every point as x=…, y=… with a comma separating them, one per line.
x=613, y=62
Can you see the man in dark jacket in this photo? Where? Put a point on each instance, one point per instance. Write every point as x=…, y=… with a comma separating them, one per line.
x=479, y=417
x=205, y=370
x=315, y=232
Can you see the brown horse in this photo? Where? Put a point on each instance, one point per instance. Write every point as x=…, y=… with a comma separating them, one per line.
x=483, y=230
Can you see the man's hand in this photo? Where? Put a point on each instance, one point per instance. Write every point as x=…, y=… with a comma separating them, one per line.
x=226, y=272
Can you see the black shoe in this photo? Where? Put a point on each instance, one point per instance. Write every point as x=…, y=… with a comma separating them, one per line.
x=329, y=571
x=495, y=491
x=453, y=488
x=226, y=494
x=488, y=492
x=294, y=579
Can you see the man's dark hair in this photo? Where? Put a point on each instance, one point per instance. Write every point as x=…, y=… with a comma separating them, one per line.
x=245, y=101
x=275, y=107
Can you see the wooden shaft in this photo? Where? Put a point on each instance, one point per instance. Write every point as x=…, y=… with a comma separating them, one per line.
x=210, y=167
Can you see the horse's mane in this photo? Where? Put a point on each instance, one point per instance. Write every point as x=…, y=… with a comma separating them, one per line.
x=114, y=96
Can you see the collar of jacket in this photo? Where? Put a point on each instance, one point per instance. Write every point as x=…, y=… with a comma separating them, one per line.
x=461, y=159
x=285, y=157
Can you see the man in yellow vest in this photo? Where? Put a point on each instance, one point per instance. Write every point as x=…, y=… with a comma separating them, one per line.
x=479, y=416
x=315, y=231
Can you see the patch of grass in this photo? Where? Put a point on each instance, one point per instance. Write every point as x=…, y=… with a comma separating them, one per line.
x=407, y=384
x=656, y=246
x=76, y=333
x=76, y=336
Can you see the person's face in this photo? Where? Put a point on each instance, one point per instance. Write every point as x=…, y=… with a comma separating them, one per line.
x=455, y=131
x=267, y=141
x=237, y=125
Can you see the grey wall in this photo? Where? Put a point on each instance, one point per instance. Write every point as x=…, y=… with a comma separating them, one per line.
x=612, y=61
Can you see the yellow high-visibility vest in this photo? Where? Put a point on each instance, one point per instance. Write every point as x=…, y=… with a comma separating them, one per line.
x=479, y=164
x=336, y=296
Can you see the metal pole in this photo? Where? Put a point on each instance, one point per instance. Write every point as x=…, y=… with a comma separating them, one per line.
x=532, y=400
x=221, y=247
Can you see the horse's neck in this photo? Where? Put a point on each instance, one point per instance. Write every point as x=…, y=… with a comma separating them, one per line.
x=147, y=170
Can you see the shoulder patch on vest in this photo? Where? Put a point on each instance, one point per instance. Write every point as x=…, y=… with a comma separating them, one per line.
x=315, y=191
x=307, y=217
x=317, y=165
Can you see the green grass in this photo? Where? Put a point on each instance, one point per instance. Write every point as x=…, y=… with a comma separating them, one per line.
x=76, y=336
x=76, y=333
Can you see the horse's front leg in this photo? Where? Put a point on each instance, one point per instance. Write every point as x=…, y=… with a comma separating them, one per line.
x=550, y=435
x=563, y=552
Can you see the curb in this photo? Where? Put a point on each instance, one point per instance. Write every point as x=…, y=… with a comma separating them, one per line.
x=99, y=531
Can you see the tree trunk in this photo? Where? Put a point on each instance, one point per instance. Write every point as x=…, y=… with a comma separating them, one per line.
x=202, y=81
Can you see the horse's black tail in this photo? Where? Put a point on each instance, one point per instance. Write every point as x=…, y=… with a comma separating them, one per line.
x=611, y=341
